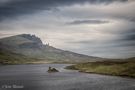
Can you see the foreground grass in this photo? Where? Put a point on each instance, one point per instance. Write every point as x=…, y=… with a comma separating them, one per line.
x=121, y=68
x=8, y=58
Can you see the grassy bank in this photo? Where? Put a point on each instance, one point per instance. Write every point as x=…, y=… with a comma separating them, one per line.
x=121, y=68
x=8, y=58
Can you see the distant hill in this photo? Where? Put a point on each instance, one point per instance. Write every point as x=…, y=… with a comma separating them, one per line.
x=31, y=47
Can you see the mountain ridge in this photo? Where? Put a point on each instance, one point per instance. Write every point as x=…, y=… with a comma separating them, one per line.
x=31, y=46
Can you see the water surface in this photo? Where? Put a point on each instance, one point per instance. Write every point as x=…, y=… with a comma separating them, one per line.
x=36, y=77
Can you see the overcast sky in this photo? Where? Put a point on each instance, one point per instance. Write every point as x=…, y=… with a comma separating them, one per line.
x=103, y=28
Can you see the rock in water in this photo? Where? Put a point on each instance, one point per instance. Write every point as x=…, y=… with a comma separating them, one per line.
x=52, y=70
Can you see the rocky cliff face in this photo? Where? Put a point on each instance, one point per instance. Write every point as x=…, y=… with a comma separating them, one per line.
x=32, y=38
x=35, y=41
x=20, y=42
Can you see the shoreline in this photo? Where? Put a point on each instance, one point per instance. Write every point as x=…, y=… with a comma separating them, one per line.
x=122, y=76
x=122, y=69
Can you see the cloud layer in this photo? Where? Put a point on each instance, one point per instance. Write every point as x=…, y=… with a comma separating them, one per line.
x=13, y=8
x=76, y=22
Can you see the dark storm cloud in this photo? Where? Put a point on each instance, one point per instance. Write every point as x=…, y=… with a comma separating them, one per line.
x=123, y=38
x=127, y=36
x=112, y=44
x=76, y=22
x=130, y=37
x=131, y=19
x=13, y=8
x=82, y=42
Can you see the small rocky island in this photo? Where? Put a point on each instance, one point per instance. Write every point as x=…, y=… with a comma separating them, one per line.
x=50, y=70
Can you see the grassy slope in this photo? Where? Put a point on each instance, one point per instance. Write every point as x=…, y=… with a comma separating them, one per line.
x=13, y=58
x=123, y=68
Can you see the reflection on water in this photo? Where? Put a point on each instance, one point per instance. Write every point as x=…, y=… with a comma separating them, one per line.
x=36, y=77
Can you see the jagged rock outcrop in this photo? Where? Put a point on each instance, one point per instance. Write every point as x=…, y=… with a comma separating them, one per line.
x=35, y=41
x=32, y=38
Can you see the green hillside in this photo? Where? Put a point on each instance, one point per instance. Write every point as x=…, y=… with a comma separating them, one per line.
x=118, y=68
x=13, y=58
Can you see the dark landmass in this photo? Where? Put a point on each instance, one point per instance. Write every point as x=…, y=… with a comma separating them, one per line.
x=116, y=68
x=50, y=70
x=26, y=48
